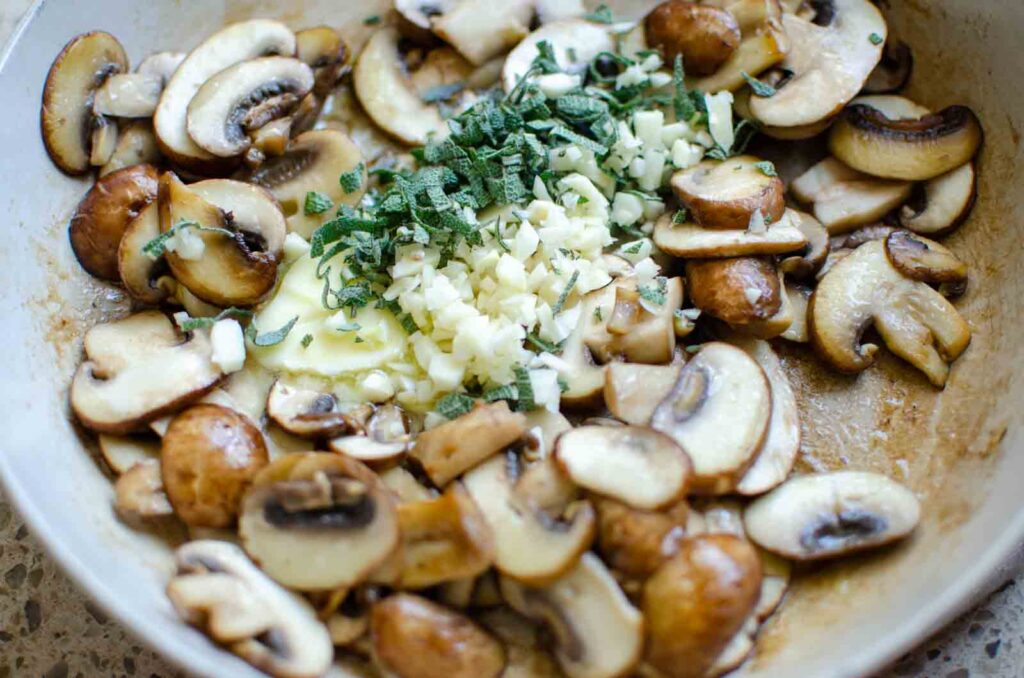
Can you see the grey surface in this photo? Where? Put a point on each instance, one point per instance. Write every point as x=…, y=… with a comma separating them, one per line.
x=48, y=628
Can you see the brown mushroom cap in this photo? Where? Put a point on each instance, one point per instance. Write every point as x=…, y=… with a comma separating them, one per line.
x=67, y=117
x=704, y=36
x=908, y=149
x=726, y=194
x=923, y=259
x=417, y=638
x=738, y=291
x=696, y=602
x=636, y=542
x=144, y=278
x=104, y=214
x=208, y=458
x=761, y=48
x=308, y=413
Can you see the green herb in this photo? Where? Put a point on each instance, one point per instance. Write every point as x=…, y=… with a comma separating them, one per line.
x=601, y=15
x=542, y=345
x=316, y=203
x=351, y=181
x=371, y=20
x=767, y=168
x=680, y=216
x=454, y=405
x=564, y=296
x=563, y=385
x=876, y=39
x=506, y=392
x=349, y=327
x=307, y=340
x=687, y=104
x=441, y=92
x=359, y=340
x=634, y=248
x=270, y=338
x=571, y=53
x=156, y=247
x=761, y=89
x=192, y=324
x=655, y=294
x=694, y=348
x=524, y=387
x=598, y=314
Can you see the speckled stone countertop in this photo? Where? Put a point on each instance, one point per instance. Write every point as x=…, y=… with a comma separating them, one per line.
x=49, y=629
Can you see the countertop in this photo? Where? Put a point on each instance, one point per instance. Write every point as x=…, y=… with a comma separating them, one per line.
x=50, y=629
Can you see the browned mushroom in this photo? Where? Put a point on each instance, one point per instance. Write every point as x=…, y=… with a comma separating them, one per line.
x=738, y=291
x=725, y=195
x=704, y=36
x=637, y=542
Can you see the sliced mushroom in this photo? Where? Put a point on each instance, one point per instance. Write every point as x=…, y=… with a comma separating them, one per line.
x=123, y=452
x=417, y=638
x=829, y=61
x=893, y=72
x=799, y=298
x=444, y=539
x=690, y=241
x=718, y=412
x=482, y=30
x=312, y=162
x=806, y=264
x=137, y=370
x=917, y=323
x=229, y=271
x=623, y=325
x=725, y=195
x=831, y=514
x=756, y=53
x=128, y=95
x=103, y=141
x=448, y=450
x=923, y=259
x=209, y=457
x=636, y=542
x=146, y=279
x=597, y=632
x=738, y=291
x=243, y=98
x=736, y=652
x=774, y=325
x=704, y=36
x=642, y=468
x=531, y=544
x=161, y=64
x=696, y=602
x=524, y=650
x=324, y=50
x=942, y=204
x=909, y=149
x=844, y=198
x=543, y=428
x=316, y=521
x=307, y=413
x=139, y=494
x=782, y=441
x=346, y=617
x=219, y=590
x=79, y=70
x=632, y=391
x=229, y=46
x=136, y=145
x=387, y=94
x=586, y=380
x=104, y=214
x=585, y=40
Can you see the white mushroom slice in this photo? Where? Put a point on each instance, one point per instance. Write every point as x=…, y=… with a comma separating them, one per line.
x=558, y=10
x=725, y=195
x=67, y=116
x=404, y=485
x=307, y=413
x=944, y=203
x=755, y=54
x=524, y=650
x=586, y=380
x=542, y=429
x=231, y=45
x=103, y=141
x=420, y=12
x=776, y=573
x=243, y=98
x=642, y=468
x=161, y=64
x=718, y=412
x=585, y=39
x=318, y=521
x=736, y=652
x=829, y=63
x=922, y=259
x=632, y=391
x=893, y=72
x=917, y=323
x=799, y=298
x=690, y=241
x=139, y=369
x=630, y=327
x=123, y=452
x=219, y=590
x=482, y=30
x=387, y=94
x=139, y=494
x=136, y=145
x=531, y=544
x=831, y=514
x=844, y=198
x=448, y=450
x=128, y=95
x=782, y=441
x=598, y=633
x=444, y=539
x=368, y=450
x=805, y=264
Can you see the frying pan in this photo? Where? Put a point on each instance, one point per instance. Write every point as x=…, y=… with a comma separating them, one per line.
x=961, y=449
